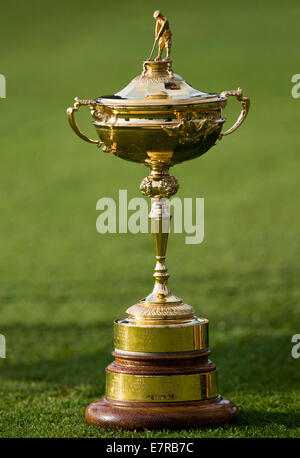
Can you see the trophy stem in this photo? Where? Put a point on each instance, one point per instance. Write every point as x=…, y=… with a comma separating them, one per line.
x=160, y=226
x=159, y=185
x=160, y=304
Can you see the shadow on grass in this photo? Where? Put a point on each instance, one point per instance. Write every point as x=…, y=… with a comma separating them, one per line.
x=67, y=355
x=262, y=418
x=257, y=364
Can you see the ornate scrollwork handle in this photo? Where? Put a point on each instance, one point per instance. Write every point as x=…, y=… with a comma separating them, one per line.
x=245, y=101
x=71, y=117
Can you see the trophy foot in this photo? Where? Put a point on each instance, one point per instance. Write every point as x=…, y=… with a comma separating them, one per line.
x=146, y=415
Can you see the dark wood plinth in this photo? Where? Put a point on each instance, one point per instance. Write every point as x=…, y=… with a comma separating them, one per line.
x=168, y=415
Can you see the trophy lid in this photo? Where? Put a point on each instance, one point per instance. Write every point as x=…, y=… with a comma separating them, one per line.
x=157, y=85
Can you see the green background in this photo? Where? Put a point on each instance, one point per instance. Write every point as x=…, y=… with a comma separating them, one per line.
x=62, y=283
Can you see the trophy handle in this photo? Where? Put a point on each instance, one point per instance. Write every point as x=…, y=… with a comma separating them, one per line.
x=245, y=101
x=71, y=118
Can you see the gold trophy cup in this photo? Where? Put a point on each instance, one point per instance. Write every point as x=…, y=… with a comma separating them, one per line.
x=161, y=376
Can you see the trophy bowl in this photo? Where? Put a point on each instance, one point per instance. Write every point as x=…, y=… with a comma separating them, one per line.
x=158, y=111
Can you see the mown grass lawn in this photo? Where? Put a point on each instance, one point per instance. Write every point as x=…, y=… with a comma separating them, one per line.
x=62, y=283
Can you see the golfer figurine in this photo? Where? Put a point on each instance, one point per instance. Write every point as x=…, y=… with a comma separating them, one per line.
x=163, y=36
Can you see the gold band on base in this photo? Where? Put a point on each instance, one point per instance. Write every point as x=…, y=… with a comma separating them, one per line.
x=161, y=339
x=161, y=388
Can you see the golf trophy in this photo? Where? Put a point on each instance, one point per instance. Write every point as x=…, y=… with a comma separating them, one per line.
x=161, y=376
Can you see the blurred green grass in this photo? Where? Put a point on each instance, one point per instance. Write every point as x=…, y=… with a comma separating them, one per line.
x=62, y=283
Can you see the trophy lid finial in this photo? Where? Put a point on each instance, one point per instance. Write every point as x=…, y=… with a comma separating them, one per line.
x=163, y=36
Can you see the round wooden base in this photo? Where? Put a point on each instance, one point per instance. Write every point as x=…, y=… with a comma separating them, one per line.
x=159, y=415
